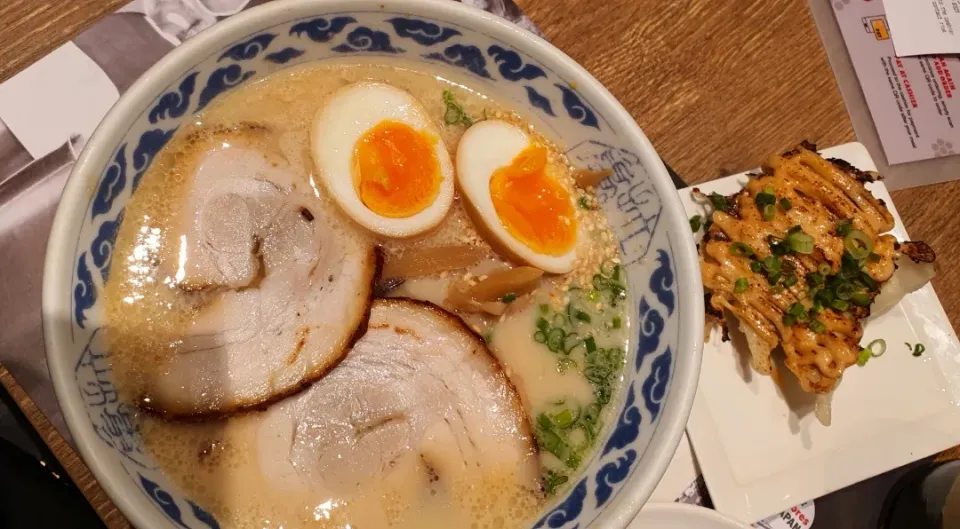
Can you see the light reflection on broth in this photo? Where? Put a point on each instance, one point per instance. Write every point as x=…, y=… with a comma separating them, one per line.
x=562, y=346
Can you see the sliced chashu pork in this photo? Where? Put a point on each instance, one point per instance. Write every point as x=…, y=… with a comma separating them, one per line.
x=285, y=288
x=419, y=399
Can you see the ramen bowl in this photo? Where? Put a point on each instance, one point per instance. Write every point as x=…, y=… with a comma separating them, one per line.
x=516, y=67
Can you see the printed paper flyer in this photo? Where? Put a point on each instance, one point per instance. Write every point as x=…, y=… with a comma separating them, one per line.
x=913, y=100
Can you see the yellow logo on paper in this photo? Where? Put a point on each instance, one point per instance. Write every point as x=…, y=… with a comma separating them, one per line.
x=880, y=30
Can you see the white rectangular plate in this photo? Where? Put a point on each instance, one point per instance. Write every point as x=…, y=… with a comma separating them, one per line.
x=762, y=452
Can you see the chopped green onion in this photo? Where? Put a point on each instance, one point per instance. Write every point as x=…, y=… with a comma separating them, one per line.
x=695, y=222
x=839, y=304
x=509, y=297
x=817, y=326
x=877, y=347
x=919, y=349
x=849, y=267
x=790, y=281
x=768, y=190
x=455, y=114
x=817, y=308
x=564, y=419
x=814, y=279
x=874, y=257
x=773, y=278
x=776, y=289
x=785, y=204
x=765, y=199
x=772, y=265
x=582, y=316
x=826, y=296
x=591, y=414
x=553, y=480
x=777, y=246
x=616, y=322
x=590, y=344
x=542, y=323
x=794, y=229
x=863, y=357
x=858, y=244
x=741, y=285
x=844, y=291
x=585, y=204
x=800, y=242
x=769, y=212
x=797, y=309
x=824, y=269
x=844, y=227
x=789, y=319
x=741, y=249
x=488, y=336
x=719, y=201
x=756, y=267
x=543, y=310
x=593, y=296
x=870, y=282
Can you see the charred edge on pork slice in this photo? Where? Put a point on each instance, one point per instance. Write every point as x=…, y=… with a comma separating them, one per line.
x=376, y=256
x=481, y=345
x=219, y=129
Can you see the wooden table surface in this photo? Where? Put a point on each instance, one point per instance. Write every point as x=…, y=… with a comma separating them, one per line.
x=717, y=86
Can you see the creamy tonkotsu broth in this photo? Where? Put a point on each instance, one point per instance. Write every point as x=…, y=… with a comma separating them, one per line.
x=284, y=381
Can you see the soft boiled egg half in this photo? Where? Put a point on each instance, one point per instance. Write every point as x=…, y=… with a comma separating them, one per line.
x=514, y=197
x=382, y=160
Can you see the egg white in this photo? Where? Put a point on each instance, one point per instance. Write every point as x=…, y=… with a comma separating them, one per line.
x=484, y=148
x=338, y=126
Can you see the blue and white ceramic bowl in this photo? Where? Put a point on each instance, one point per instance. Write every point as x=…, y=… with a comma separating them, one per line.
x=540, y=81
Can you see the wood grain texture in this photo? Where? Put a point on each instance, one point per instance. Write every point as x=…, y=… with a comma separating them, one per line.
x=29, y=29
x=717, y=86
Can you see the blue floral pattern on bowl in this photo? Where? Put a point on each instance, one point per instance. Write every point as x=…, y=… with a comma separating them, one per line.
x=628, y=196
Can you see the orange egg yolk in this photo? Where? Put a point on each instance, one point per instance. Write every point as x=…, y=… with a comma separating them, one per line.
x=396, y=170
x=532, y=206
